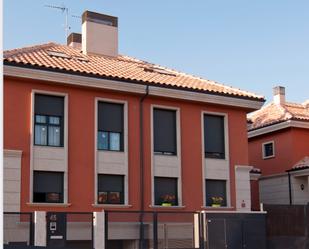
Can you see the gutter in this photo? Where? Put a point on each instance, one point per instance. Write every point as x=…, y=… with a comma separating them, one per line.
x=290, y=188
x=142, y=166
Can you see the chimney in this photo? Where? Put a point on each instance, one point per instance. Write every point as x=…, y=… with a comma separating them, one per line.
x=99, y=34
x=74, y=40
x=279, y=95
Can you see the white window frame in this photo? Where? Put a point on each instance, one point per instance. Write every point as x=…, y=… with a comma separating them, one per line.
x=65, y=146
x=125, y=151
x=263, y=149
x=178, y=155
x=226, y=159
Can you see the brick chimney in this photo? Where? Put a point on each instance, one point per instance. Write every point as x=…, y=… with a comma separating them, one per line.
x=74, y=40
x=279, y=95
x=99, y=34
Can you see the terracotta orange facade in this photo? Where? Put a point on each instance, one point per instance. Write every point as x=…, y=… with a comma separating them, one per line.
x=81, y=118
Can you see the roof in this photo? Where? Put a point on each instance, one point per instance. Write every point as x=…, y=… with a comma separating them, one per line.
x=72, y=60
x=302, y=164
x=275, y=113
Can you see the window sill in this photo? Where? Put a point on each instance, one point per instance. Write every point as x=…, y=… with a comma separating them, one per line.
x=268, y=157
x=167, y=207
x=44, y=204
x=111, y=206
x=219, y=208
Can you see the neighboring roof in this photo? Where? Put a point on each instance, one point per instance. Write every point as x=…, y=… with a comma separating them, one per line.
x=72, y=60
x=275, y=113
x=302, y=164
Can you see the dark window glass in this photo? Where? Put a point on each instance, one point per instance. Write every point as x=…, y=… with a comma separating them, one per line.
x=214, y=136
x=164, y=128
x=48, y=120
x=110, y=126
x=215, y=192
x=166, y=191
x=47, y=186
x=268, y=150
x=110, y=189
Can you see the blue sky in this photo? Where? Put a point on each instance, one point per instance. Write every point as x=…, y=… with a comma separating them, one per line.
x=252, y=45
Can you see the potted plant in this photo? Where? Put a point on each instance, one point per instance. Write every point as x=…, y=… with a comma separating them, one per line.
x=168, y=200
x=216, y=201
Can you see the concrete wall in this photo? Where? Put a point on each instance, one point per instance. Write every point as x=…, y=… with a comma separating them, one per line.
x=243, y=192
x=11, y=180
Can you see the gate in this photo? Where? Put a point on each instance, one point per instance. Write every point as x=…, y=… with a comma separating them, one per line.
x=287, y=226
x=18, y=228
x=156, y=230
x=234, y=231
x=70, y=230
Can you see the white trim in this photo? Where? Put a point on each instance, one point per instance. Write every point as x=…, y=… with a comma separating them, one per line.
x=47, y=204
x=167, y=207
x=255, y=176
x=263, y=150
x=279, y=126
x=227, y=156
x=125, y=149
x=111, y=206
x=300, y=172
x=86, y=81
x=234, y=212
x=273, y=176
x=178, y=144
x=65, y=142
x=12, y=153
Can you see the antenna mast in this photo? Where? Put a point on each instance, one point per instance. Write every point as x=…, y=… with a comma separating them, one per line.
x=65, y=10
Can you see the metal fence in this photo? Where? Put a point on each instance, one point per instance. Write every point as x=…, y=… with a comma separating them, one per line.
x=18, y=228
x=157, y=230
x=287, y=226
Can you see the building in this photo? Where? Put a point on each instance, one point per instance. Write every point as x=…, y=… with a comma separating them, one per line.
x=279, y=146
x=87, y=129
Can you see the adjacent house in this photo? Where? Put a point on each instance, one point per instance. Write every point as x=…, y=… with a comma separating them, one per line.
x=279, y=146
x=87, y=129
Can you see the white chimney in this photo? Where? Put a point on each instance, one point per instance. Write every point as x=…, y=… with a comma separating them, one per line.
x=74, y=40
x=99, y=34
x=279, y=95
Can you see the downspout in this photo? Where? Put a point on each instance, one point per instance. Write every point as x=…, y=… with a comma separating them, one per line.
x=290, y=189
x=141, y=153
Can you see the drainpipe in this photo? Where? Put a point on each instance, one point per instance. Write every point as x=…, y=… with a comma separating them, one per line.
x=290, y=189
x=141, y=153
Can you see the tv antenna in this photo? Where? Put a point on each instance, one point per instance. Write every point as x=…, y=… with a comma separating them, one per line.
x=65, y=10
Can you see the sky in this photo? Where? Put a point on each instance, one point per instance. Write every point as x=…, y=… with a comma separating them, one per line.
x=251, y=45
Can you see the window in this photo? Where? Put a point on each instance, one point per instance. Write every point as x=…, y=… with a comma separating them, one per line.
x=110, y=126
x=48, y=186
x=268, y=150
x=215, y=192
x=166, y=191
x=48, y=120
x=214, y=136
x=110, y=189
x=164, y=128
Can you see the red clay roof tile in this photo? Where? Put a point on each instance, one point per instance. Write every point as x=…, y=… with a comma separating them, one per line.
x=63, y=57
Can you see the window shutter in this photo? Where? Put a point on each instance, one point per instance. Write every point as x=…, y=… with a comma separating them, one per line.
x=110, y=117
x=110, y=183
x=164, y=123
x=165, y=186
x=49, y=105
x=48, y=182
x=214, y=135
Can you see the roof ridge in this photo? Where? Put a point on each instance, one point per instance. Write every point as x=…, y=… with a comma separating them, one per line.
x=16, y=51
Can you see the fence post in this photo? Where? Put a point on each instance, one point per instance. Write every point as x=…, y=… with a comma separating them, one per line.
x=40, y=228
x=99, y=230
x=196, y=230
x=155, y=230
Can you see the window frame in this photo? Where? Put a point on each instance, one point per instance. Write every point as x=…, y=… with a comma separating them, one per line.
x=122, y=193
x=224, y=118
x=48, y=124
x=226, y=201
x=62, y=199
x=177, y=201
x=264, y=151
x=177, y=130
x=122, y=134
